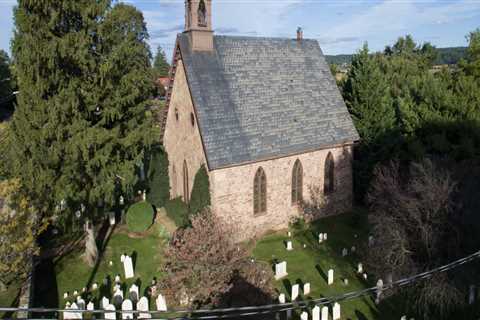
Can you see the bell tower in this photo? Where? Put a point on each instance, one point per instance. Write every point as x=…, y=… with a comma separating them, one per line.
x=198, y=24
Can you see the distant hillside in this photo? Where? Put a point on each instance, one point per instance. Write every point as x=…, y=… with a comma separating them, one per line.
x=445, y=56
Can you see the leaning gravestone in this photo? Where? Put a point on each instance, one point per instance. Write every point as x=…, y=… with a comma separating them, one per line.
x=161, y=303
x=330, y=277
x=110, y=315
x=127, y=306
x=295, y=289
x=304, y=316
x=336, y=311
x=128, y=266
x=316, y=313
x=324, y=313
x=142, y=305
x=134, y=293
x=281, y=270
x=306, y=288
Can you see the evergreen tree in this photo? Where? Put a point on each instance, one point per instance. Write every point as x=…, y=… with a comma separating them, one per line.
x=80, y=128
x=5, y=75
x=160, y=64
x=200, y=198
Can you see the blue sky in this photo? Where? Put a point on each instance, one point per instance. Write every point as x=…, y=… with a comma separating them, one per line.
x=341, y=26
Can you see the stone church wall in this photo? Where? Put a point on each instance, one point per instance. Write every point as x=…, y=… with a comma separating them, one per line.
x=232, y=190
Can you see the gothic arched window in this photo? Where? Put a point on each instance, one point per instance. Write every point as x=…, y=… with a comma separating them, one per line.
x=260, y=192
x=329, y=179
x=202, y=14
x=297, y=183
x=186, y=189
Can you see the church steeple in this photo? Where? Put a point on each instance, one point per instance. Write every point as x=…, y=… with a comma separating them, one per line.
x=198, y=24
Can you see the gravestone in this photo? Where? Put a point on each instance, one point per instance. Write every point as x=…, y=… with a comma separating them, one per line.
x=111, y=218
x=330, y=277
x=336, y=311
x=371, y=241
x=471, y=294
x=94, y=286
x=117, y=297
x=365, y=276
x=353, y=249
x=161, y=303
x=360, y=268
x=306, y=288
x=122, y=258
x=75, y=315
x=289, y=246
x=105, y=302
x=345, y=281
x=110, y=315
x=127, y=306
x=324, y=313
x=289, y=314
x=325, y=236
x=142, y=305
x=67, y=305
x=75, y=293
x=344, y=252
x=295, y=289
x=65, y=295
x=316, y=313
x=379, y=290
x=281, y=270
x=403, y=318
x=117, y=278
x=80, y=303
x=90, y=306
x=289, y=234
x=133, y=293
x=128, y=266
x=304, y=316
x=320, y=238
x=281, y=298
x=389, y=278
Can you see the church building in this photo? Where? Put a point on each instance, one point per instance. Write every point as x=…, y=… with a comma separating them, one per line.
x=265, y=117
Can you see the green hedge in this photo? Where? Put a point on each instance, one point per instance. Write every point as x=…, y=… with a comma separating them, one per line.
x=140, y=216
x=158, y=180
x=200, y=197
x=177, y=210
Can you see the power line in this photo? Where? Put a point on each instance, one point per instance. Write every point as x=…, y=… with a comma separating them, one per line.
x=272, y=308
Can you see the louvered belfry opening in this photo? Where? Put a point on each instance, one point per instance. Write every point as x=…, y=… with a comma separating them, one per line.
x=260, y=192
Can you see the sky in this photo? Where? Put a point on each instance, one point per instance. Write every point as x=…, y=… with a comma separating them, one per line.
x=340, y=26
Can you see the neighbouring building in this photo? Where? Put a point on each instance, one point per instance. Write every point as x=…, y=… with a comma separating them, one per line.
x=264, y=115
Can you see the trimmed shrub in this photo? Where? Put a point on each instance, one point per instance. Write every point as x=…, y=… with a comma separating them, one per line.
x=200, y=198
x=140, y=216
x=158, y=180
x=177, y=210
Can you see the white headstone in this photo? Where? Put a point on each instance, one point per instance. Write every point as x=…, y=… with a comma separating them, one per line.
x=289, y=234
x=306, y=288
x=330, y=276
x=289, y=246
x=325, y=236
x=320, y=238
x=144, y=195
x=105, y=302
x=134, y=293
x=67, y=305
x=403, y=318
x=344, y=252
x=281, y=270
x=80, y=303
x=304, y=316
x=345, y=281
x=128, y=266
x=471, y=294
x=117, y=297
x=122, y=258
x=75, y=293
x=161, y=303
x=336, y=311
x=65, y=295
x=90, y=306
x=295, y=289
x=142, y=305
x=281, y=298
x=117, y=279
x=111, y=218
x=365, y=276
x=75, y=315
x=94, y=286
x=380, y=284
x=324, y=313
x=110, y=315
x=360, y=268
x=127, y=306
x=316, y=313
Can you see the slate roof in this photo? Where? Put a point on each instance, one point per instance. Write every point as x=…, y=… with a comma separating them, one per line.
x=262, y=98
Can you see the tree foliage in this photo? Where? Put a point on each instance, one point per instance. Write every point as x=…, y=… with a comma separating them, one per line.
x=80, y=128
x=200, y=198
x=158, y=179
x=160, y=64
x=203, y=263
x=5, y=75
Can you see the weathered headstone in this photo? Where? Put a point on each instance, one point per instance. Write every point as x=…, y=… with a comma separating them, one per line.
x=471, y=294
x=295, y=289
x=133, y=293
x=117, y=297
x=122, y=258
x=75, y=293
x=330, y=277
x=80, y=303
x=324, y=313
x=336, y=311
x=304, y=316
x=325, y=236
x=344, y=252
x=90, y=306
x=316, y=313
x=118, y=279
x=142, y=305
x=360, y=268
x=104, y=303
x=127, y=306
x=306, y=288
x=111, y=218
x=128, y=266
x=320, y=238
x=110, y=315
x=65, y=295
x=161, y=303
x=281, y=270
x=94, y=286
x=379, y=290
x=281, y=298
x=289, y=246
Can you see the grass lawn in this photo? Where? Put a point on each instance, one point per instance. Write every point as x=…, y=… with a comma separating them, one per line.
x=311, y=264
x=10, y=297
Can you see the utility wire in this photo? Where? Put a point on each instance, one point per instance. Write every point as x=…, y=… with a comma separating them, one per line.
x=272, y=308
